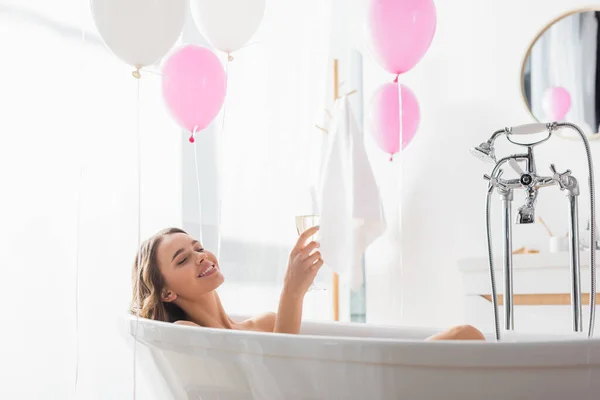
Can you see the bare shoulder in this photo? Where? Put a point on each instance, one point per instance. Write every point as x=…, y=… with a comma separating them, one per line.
x=188, y=323
x=264, y=322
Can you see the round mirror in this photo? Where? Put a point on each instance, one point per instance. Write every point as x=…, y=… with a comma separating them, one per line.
x=560, y=77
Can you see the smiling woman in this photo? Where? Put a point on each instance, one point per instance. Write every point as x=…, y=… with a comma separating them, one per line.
x=175, y=280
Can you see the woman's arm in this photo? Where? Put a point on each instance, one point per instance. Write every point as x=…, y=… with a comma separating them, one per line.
x=263, y=322
x=289, y=314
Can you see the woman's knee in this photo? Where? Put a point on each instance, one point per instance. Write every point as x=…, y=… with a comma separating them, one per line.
x=460, y=332
x=467, y=332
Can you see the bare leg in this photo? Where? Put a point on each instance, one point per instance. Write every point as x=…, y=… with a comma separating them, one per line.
x=461, y=332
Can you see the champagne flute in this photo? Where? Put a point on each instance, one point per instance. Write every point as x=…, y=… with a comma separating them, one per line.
x=304, y=222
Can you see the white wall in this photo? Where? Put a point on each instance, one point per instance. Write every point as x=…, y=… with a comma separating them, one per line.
x=68, y=103
x=468, y=85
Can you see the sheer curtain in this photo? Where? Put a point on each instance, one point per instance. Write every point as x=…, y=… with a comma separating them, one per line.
x=69, y=132
x=270, y=153
x=565, y=55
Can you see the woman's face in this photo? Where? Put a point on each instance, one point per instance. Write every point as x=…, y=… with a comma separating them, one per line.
x=188, y=270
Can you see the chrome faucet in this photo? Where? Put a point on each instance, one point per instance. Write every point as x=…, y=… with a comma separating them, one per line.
x=530, y=182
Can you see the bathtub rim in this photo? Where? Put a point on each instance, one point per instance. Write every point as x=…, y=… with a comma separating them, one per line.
x=562, y=352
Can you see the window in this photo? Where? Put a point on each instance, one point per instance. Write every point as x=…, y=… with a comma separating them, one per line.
x=259, y=166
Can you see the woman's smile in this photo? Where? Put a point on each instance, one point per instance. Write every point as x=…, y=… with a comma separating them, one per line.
x=206, y=269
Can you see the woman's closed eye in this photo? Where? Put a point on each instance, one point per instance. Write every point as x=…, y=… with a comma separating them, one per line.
x=184, y=260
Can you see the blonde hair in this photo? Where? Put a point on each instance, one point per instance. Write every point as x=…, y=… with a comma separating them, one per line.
x=148, y=282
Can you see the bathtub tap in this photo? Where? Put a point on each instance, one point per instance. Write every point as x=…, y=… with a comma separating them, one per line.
x=530, y=182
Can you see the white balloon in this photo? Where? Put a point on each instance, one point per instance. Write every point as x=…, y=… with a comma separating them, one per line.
x=139, y=32
x=228, y=24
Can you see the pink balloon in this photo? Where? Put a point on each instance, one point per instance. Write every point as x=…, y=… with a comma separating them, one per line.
x=384, y=116
x=557, y=103
x=194, y=86
x=401, y=32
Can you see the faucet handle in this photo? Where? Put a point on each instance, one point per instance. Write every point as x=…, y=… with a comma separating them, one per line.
x=564, y=174
x=515, y=166
x=496, y=181
x=562, y=179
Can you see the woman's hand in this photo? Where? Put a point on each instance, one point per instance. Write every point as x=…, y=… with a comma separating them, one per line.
x=304, y=263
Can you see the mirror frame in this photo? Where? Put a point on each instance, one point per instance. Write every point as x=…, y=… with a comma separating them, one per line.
x=589, y=135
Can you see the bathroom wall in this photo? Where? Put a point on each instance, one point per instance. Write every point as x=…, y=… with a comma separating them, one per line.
x=468, y=85
x=69, y=132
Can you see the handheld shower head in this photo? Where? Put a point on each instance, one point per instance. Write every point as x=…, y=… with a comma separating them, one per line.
x=484, y=152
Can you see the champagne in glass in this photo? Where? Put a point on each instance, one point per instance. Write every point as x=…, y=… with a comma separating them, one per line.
x=304, y=222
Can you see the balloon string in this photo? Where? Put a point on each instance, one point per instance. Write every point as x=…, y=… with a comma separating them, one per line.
x=82, y=11
x=220, y=164
x=139, y=234
x=396, y=79
x=399, y=193
x=225, y=102
x=198, y=186
x=77, y=252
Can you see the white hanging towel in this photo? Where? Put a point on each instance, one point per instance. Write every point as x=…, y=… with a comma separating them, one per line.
x=349, y=203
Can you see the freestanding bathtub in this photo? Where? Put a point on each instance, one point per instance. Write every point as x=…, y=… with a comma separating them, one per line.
x=358, y=361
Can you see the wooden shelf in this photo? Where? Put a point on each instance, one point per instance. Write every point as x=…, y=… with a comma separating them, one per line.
x=546, y=299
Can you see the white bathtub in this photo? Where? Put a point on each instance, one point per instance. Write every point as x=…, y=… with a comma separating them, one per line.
x=357, y=361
